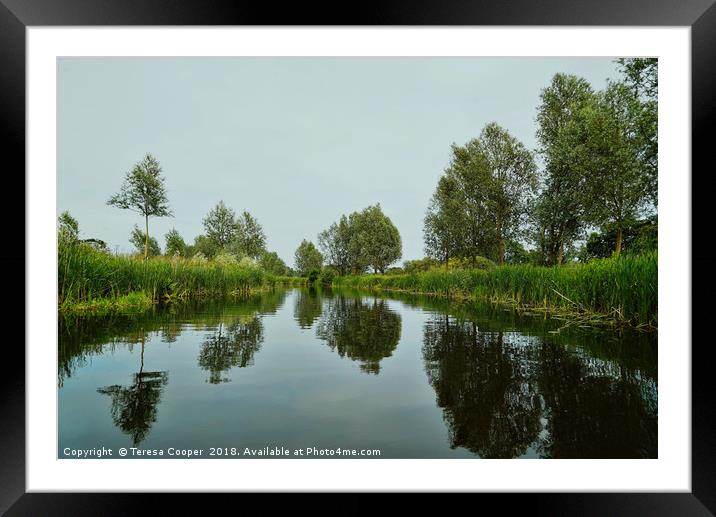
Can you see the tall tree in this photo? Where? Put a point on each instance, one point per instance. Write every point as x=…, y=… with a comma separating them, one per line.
x=335, y=245
x=513, y=173
x=220, y=225
x=143, y=191
x=559, y=211
x=249, y=239
x=606, y=145
x=482, y=199
x=642, y=76
x=307, y=258
x=444, y=227
x=375, y=240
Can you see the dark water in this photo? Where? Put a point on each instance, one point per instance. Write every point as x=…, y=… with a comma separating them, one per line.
x=413, y=377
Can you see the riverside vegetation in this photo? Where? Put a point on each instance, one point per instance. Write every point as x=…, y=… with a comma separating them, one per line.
x=577, y=236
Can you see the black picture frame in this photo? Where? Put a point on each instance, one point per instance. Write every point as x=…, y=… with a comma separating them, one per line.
x=700, y=15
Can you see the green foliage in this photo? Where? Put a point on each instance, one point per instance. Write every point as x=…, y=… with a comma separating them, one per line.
x=361, y=240
x=313, y=276
x=327, y=275
x=335, y=245
x=148, y=247
x=68, y=229
x=220, y=227
x=248, y=239
x=272, y=263
x=515, y=253
x=558, y=214
x=603, y=144
x=642, y=76
x=420, y=265
x=624, y=288
x=205, y=246
x=431, y=264
x=638, y=237
x=482, y=199
x=143, y=191
x=85, y=274
x=307, y=258
x=175, y=245
x=375, y=241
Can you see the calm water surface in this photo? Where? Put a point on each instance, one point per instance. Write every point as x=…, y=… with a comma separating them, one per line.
x=415, y=377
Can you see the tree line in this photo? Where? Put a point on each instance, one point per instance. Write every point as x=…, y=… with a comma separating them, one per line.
x=599, y=156
x=597, y=169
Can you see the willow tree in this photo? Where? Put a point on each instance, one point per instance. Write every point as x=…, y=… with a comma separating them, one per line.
x=607, y=147
x=559, y=211
x=307, y=258
x=514, y=181
x=143, y=191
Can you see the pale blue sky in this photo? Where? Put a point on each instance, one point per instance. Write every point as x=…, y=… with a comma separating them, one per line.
x=295, y=141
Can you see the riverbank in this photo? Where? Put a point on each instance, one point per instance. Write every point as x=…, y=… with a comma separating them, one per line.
x=93, y=281
x=607, y=291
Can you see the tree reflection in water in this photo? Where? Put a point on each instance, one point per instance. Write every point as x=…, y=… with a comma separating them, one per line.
x=309, y=304
x=365, y=331
x=489, y=400
x=503, y=393
x=134, y=407
x=231, y=345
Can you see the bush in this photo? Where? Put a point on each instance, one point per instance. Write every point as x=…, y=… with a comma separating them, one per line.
x=327, y=275
x=313, y=276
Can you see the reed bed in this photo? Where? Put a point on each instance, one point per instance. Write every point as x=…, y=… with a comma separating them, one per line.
x=86, y=275
x=622, y=289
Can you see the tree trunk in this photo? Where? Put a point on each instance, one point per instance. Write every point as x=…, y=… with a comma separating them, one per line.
x=500, y=243
x=618, y=249
x=146, y=236
x=560, y=251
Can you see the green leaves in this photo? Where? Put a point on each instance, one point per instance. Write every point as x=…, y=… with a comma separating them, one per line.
x=307, y=258
x=143, y=190
x=481, y=200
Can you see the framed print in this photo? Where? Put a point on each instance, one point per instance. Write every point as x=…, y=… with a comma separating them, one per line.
x=419, y=253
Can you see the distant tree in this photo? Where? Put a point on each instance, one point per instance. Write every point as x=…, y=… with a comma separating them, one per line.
x=220, y=226
x=375, y=239
x=143, y=191
x=139, y=240
x=249, y=239
x=204, y=245
x=68, y=228
x=307, y=258
x=272, y=263
x=637, y=237
x=335, y=245
x=175, y=245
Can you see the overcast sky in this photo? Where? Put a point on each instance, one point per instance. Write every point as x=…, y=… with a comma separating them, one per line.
x=295, y=141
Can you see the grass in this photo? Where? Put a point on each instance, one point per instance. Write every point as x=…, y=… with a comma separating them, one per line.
x=92, y=280
x=621, y=289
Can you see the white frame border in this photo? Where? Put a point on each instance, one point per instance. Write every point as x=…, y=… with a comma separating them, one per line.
x=670, y=472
